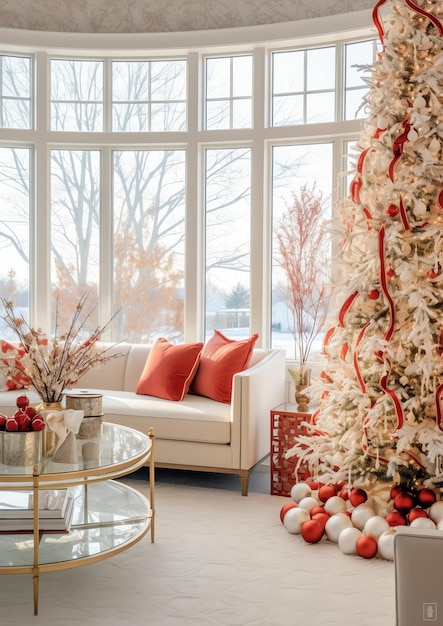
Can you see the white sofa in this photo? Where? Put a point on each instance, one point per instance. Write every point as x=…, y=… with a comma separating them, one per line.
x=197, y=433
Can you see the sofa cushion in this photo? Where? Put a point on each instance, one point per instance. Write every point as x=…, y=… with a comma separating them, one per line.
x=169, y=370
x=195, y=419
x=220, y=359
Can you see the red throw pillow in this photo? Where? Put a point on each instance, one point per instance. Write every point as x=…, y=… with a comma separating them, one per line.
x=169, y=370
x=221, y=358
x=10, y=359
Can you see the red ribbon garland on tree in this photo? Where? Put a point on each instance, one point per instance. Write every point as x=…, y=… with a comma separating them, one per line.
x=377, y=21
x=398, y=146
x=384, y=281
x=379, y=25
x=438, y=25
x=438, y=413
x=404, y=217
x=356, y=365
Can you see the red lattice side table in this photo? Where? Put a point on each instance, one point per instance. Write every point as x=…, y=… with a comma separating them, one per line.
x=285, y=426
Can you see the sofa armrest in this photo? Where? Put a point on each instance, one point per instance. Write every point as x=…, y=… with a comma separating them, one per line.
x=255, y=392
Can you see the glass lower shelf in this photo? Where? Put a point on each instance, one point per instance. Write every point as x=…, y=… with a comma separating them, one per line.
x=107, y=518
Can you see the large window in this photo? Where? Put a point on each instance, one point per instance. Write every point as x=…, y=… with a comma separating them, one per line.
x=149, y=236
x=228, y=216
x=154, y=180
x=294, y=166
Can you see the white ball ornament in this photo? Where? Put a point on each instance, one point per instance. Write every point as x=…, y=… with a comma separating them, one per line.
x=434, y=145
x=420, y=208
x=419, y=102
x=375, y=526
x=436, y=511
x=382, y=122
x=386, y=544
x=308, y=503
x=335, y=505
x=347, y=540
x=412, y=135
x=424, y=523
x=299, y=491
x=406, y=276
x=294, y=518
x=440, y=525
x=361, y=514
x=335, y=525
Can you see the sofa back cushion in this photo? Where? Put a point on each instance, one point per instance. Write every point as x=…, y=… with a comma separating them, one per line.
x=169, y=370
x=109, y=375
x=221, y=358
x=135, y=363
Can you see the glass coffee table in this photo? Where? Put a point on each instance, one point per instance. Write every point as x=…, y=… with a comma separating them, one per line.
x=108, y=516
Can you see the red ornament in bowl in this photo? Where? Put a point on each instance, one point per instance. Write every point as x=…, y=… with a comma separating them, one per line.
x=22, y=402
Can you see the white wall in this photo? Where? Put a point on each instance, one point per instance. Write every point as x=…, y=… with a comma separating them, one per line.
x=119, y=16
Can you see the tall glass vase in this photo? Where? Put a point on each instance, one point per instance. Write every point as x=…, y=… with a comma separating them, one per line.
x=301, y=397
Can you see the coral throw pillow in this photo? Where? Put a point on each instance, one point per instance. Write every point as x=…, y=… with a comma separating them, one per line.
x=169, y=370
x=220, y=360
x=10, y=356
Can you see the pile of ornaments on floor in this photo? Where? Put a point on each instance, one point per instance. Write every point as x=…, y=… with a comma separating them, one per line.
x=361, y=523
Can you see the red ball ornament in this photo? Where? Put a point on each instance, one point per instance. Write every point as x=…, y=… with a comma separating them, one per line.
x=415, y=513
x=395, y=490
x=317, y=509
x=314, y=485
x=24, y=423
x=344, y=493
x=38, y=423
x=357, y=496
x=404, y=502
x=31, y=411
x=392, y=210
x=426, y=497
x=390, y=273
x=325, y=492
x=11, y=424
x=431, y=274
x=395, y=518
x=366, y=547
x=3, y=419
x=321, y=518
x=374, y=294
x=312, y=531
x=22, y=402
x=285, y=508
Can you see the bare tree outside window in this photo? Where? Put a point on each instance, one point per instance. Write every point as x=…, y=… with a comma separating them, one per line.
x=304, y=256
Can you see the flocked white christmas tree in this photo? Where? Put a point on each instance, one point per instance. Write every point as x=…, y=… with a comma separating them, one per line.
x=381, y=393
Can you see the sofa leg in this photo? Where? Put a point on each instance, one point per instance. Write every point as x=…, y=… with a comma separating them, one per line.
x=244, y=481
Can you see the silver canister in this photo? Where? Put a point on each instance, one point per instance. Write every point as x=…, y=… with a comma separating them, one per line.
x=91, y=405
x=21, y=448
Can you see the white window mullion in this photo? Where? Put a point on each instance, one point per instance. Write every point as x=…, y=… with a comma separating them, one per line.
x=194, y=323
x=260, y=221
x=106, y=279
x=40, y=229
